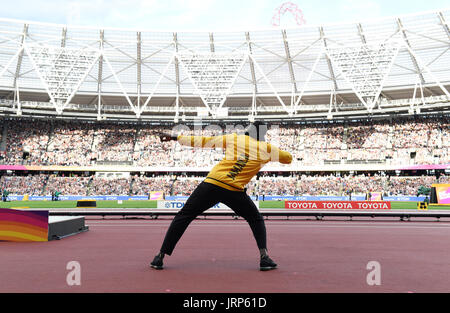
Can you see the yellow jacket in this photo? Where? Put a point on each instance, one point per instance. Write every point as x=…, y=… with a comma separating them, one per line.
x=244, y=157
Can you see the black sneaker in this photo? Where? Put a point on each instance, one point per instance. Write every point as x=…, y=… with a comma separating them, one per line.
x=157, y=263
x=267, y=264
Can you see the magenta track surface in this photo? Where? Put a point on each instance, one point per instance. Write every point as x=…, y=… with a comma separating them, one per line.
x=220, y=255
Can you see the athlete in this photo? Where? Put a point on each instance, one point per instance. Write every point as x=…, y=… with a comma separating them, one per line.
x=244, y=156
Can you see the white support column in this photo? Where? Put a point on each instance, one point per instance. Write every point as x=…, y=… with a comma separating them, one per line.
x=177, y=106
x=135, y=110
x=421, y=96
x=286, y=108
x=293, y=93
x=19, y=59
x=252, y=67
x=253, y=112
x=413, y=101
x=332, y=104
x=157, y=84
x=177, y=73
x=19, y=105
x=100, y=76
x=139, y=68
x=16, y=55
x=289, y=60
x=308, y=80
x=329, y=64
x=422, y=66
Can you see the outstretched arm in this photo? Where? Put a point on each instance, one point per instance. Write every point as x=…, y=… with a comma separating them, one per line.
x=196, y=141
x=166, y=137
x=278, y=155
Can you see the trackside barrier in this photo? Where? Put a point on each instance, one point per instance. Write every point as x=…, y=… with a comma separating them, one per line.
x=162, y=205
x=184, y=198
x=318, y=209
x=338, y=205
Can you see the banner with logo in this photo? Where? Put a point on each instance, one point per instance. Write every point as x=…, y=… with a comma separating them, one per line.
x=336, y=198
x=156, y=195
x=337, y=205
x=376, y=196
x=442, y=193
x=178, y=205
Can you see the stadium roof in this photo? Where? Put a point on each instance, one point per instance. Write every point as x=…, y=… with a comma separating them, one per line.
x=389, y=66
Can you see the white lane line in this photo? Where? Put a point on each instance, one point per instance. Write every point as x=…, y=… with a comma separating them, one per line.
x=273, y=222
x=285, y=226
x=286, y=222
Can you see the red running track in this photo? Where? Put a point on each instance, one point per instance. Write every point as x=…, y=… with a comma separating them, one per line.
x=220, y=255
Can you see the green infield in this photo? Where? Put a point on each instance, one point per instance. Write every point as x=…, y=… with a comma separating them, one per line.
x=151, y=204
x=271, y=204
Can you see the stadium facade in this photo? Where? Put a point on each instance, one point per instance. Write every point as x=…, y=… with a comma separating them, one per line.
x=387, y=67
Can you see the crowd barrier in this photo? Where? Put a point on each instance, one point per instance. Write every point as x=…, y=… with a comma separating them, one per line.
x=178, y=204
x=183, y=198
x=337, y=205
x=336, y=198
x=76, y=198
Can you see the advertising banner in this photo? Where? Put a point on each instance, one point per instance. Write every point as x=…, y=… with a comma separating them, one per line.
x=442, y=193
x=156, y=195
x=338, y=205
x=376, y=196
x=404, y=198
x=335, y=198
x=184, y=198
x=179, y=205
x=310, y=198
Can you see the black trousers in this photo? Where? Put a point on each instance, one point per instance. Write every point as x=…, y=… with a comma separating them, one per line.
x=205, y=196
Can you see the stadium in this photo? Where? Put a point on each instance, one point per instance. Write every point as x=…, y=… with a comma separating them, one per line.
x=364, y=109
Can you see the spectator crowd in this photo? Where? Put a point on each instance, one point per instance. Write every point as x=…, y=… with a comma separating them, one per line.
x=70, y=143
x=81, y=143
x=182, y=185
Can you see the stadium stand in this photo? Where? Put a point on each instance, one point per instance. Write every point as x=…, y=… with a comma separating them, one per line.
x=183, y=185
x=416, y=141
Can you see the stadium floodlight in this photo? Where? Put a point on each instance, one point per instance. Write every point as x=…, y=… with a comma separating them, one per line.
x=365, y=67
x=213, y=75
x=61, y=70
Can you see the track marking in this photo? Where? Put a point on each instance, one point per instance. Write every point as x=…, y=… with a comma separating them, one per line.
x=407, y=226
